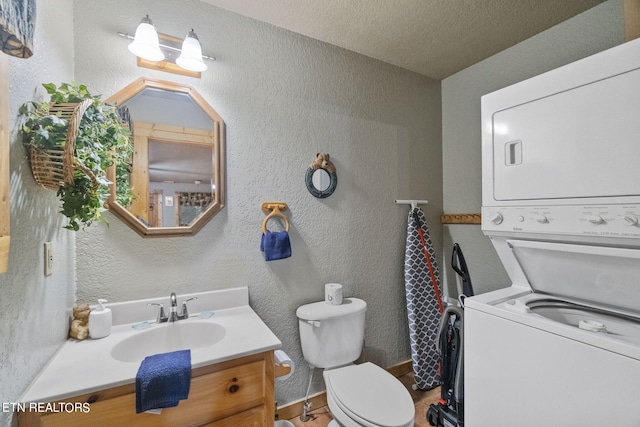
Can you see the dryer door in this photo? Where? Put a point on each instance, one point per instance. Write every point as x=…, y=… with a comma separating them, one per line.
x=578, y=143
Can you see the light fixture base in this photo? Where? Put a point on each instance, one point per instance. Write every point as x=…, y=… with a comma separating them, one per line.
x=167, y=67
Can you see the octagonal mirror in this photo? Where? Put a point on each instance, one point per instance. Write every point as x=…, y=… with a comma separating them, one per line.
x=176, y=174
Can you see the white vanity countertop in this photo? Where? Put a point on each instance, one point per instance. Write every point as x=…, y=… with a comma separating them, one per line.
x=86, y=366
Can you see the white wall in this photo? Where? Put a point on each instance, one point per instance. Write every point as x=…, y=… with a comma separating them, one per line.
x=34, y=309
x=590, y=32
x=284, y=98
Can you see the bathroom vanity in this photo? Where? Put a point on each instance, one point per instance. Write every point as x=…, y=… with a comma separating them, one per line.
x=92, y=382
x=238, y=392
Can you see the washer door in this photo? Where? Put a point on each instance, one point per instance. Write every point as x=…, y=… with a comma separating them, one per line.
x=370, y=395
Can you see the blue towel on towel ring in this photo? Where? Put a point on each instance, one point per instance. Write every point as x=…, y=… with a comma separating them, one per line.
x=275, y=245
x=163, y=380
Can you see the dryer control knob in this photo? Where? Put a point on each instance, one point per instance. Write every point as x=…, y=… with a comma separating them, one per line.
x=596, y=220
x=630, y=220
x=542, y=219
x=496, y=218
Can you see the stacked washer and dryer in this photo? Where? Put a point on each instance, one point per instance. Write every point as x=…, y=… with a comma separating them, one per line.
x=561, y=205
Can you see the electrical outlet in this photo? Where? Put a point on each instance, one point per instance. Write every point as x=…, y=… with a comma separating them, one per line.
x=48, y=258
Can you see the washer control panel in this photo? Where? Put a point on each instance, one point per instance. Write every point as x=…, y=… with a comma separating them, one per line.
x=596, y=220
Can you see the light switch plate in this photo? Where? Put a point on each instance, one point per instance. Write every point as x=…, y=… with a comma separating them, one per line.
x=48, y=258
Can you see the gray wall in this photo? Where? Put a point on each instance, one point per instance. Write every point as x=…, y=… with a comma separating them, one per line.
x=284, y=98
x=590, y=32
x=34, y=308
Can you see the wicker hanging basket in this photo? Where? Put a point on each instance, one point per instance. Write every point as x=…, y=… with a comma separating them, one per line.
x=53, y=168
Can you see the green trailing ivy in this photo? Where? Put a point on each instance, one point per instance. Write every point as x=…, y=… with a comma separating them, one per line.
x=102, y=140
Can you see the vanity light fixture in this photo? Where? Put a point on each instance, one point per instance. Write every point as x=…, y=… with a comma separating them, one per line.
x=145, y=43
x=167, y=53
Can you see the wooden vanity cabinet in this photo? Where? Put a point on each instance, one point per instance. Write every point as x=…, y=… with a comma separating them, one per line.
x=238, y=392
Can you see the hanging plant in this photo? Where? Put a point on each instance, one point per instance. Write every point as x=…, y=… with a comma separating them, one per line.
x=72, y=140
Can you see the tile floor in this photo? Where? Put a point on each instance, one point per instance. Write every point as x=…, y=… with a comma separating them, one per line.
x=422, y=399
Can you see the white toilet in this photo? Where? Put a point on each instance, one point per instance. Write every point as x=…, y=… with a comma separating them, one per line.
x=362, y=395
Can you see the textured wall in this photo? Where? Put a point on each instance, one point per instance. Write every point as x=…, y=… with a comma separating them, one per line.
x=590, y=32
x=284, y=98
x=34, y=308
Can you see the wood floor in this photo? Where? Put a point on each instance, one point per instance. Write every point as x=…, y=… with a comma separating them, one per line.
x=321, y=417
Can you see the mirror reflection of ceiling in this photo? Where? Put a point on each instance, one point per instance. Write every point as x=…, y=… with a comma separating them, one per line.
x=436, y=38
x=170, y=108
x=171, y=163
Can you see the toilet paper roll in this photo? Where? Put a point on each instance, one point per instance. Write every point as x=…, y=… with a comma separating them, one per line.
x=333, y=293
x=283, y=359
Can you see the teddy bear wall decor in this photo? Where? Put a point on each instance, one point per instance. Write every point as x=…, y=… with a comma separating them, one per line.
x=321, y=178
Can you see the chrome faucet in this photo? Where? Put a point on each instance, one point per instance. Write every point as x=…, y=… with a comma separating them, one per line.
x=174, y=315
x=173, y=311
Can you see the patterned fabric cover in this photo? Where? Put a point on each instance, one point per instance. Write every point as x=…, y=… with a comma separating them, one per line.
x=422, y=304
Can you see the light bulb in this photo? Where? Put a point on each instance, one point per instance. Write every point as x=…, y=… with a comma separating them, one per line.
x=191, y=56
x=145, y=44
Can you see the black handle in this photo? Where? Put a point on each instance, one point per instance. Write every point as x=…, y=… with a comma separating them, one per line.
x=459, y=265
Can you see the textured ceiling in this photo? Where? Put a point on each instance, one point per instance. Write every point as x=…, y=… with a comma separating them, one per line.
x=432, y=37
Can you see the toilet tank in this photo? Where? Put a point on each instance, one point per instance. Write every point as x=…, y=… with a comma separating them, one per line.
x=332, y=335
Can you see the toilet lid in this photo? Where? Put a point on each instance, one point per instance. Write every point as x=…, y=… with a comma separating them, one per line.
x=370, y=393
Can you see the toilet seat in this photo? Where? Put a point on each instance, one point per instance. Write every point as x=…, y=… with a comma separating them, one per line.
x=370, y=396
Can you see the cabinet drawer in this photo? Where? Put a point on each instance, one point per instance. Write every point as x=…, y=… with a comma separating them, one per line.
x=254, y=417
x=233, y=390
x=212, y=397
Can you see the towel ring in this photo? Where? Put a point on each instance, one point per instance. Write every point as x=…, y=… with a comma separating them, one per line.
x=274, y=207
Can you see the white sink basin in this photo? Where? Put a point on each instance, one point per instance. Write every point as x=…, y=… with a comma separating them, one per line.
x=181, y=335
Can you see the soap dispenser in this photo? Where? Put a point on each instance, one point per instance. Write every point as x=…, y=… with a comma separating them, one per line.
x=100, y=321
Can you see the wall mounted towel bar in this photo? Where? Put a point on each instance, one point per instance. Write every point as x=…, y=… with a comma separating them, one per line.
x=275, y=209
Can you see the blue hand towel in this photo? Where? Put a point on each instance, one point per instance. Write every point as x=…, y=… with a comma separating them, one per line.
x=163, y=380
x=275, y=245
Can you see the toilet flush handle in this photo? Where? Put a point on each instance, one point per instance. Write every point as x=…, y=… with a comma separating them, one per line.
x=314, y=323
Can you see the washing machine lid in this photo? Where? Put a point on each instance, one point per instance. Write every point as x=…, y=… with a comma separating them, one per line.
x=371, y=395
x=605, y=276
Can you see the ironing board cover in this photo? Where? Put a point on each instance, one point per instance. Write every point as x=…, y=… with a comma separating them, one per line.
x=422, y=304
